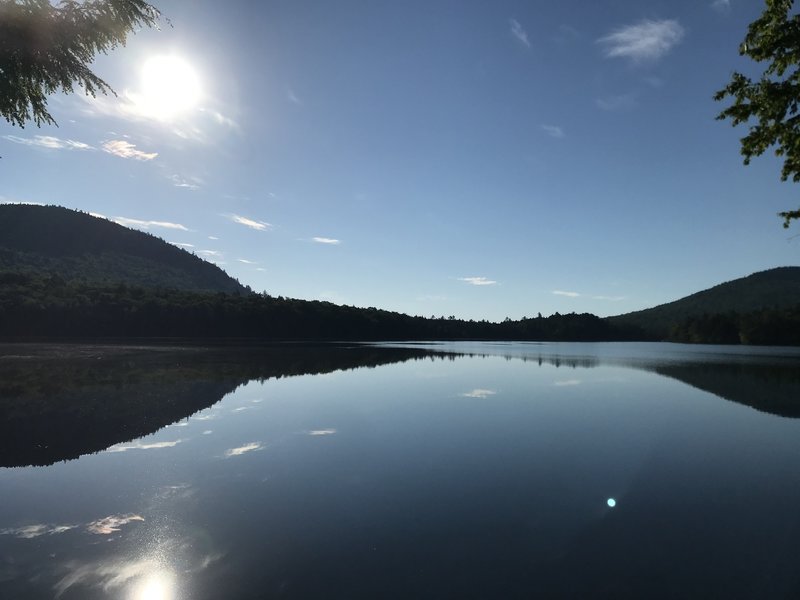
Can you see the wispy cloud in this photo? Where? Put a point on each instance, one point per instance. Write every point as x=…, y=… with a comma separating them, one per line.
x=148, y=224
x=247, y=262
x=609, y=298
x=554, y=131
x=567, y=294
x=519, y=32
x=619, y=102
x=215, y=253
x=325, y=240
x=292, y=97
x=252, y=224
x=251, y=447
x=181, y=182
x=141, y=446
x=219, y=118
x=479, y=393
x=721, y=5
x=125, y=149
x=183, y=245
x=111, y=524
x=646, y=40
x=49, y=142
x=317, y=432
x=477, y=280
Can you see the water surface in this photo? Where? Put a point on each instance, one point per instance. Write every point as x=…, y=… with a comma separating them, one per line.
x=423, y=471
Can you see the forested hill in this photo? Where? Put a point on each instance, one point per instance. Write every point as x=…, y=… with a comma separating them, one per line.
x=760, y=295
x=52, y=241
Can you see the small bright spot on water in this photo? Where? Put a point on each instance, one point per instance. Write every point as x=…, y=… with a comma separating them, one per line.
x=611, y=503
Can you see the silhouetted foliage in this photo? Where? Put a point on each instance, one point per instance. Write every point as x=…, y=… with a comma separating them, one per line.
x=46, y=307
x=45, y=48
x=766, y=327
x=57, y=403
x=772, y=100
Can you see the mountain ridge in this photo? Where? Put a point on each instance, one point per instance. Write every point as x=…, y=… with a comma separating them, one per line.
x=72, y=245
x=776, y=288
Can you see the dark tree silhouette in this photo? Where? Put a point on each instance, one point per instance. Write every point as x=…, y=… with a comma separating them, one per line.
x=772, y=101
x=46, y=48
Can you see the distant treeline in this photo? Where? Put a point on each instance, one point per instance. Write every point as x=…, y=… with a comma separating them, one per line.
x=774, y=327
x=50, y=307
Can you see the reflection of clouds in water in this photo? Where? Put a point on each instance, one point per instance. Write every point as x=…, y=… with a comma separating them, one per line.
x=108, y=576
x=252, y=446
x=151, y=578
x=479, y=393
x=567, y=382
x=208, y=417
x=208, y=432
x=28, y=532
x=141, y=446
x=181, y=424
x=241, y=408
x=104, y=526
x=169, y=492
x=322, y=432
x=112, y=523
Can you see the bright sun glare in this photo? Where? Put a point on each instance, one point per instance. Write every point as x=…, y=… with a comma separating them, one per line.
x=156, y=586
x=170, y=86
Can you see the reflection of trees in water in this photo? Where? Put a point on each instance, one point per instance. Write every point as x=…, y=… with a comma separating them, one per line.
x=768, y=388
x=54, y=408
x=60, y=402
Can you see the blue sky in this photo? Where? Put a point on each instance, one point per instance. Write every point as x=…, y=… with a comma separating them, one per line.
x=477, y=159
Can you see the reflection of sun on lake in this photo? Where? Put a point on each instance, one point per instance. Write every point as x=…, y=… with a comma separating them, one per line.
x=159, y=585
x=169, y=86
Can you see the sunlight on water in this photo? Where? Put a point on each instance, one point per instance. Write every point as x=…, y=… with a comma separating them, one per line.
x=159, y=585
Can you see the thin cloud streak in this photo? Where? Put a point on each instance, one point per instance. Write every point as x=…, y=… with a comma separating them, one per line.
x=519, y=32
x=477, y=280
x=124, y=149
x=328, y=241
x=565, y=293
x=619, y=102
x=554, y=131
x=479, y=393
x=252, y=224
x=645, y=41
x=141, y=446
x=48, y=142
x=127, y=222
x=251, y=447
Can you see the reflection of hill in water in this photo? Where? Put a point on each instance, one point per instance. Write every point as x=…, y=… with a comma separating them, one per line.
x=769, y=387
x=58, y=403
x=773, y=389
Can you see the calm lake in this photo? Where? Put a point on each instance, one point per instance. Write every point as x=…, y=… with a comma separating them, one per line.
x=418, y=471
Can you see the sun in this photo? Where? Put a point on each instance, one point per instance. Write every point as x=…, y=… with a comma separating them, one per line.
x=170, y=86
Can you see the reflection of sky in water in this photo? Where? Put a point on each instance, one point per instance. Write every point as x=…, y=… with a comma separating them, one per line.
x=473, y=498
x=479, y=393
x=143, y=446
x=250, y=447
